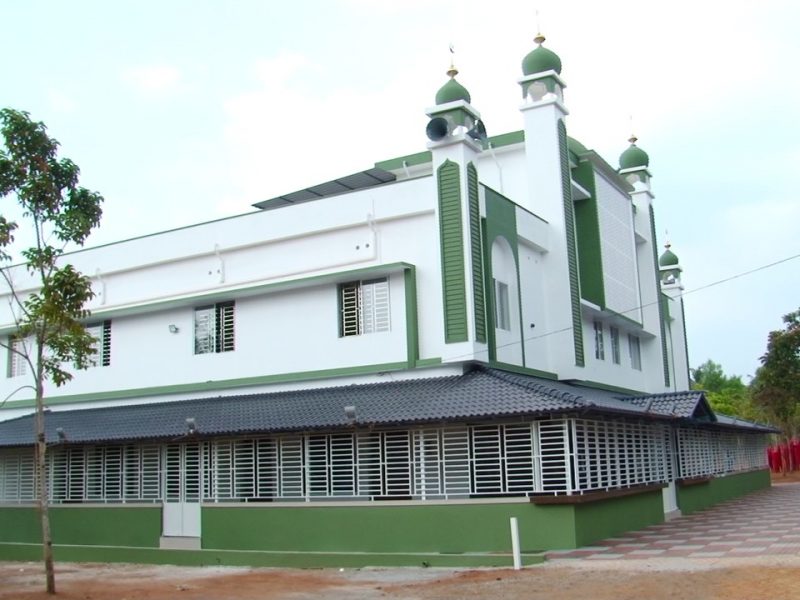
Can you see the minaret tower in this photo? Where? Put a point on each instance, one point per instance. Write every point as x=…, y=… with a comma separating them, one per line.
x=456, y=136
x=670, y=276
x=550, y=197
x=634, y=166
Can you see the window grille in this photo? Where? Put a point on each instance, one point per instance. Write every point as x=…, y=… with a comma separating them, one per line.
x=554, y=456
x=214, y=328
x=599, y=341
x=611, y=454
x=563, y=456
x=17, y=352
x=364, y=307
x=101, y=332
x=17, y=476
x=615, y=354
x=634, y=346
x=703, y=452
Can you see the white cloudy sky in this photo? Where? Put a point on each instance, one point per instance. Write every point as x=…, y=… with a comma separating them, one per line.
x=187, y=110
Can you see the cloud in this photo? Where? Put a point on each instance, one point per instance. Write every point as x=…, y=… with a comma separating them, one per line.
x=153, y=80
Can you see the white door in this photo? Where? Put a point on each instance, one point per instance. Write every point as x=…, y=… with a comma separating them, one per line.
x=183, y=478
x=670, y=493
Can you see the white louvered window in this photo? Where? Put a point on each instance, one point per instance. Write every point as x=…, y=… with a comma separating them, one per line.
x=615, y=353
x=214, y=328
x=599, y=341
x=634, y=345
x=17, y=352
x=502, y=311
x=364, y=307
x=101, y=332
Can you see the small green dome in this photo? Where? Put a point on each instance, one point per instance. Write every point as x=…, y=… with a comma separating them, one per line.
x=575, y=146
x=634, y=157
x=668, y=259
x=541, y=59
x=452, y=90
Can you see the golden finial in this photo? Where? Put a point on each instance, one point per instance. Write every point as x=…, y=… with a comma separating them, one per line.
x=452, y=71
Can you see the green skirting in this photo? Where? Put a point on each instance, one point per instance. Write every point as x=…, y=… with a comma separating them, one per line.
x=308, y=535
x=696, y=497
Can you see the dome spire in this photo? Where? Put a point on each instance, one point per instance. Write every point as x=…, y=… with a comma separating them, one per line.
x=452, y=90
x=452, y=71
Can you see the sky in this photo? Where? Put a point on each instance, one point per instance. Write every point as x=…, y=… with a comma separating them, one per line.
x=185, y=111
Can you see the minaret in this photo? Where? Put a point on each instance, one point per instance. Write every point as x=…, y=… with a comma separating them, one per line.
x=634, y=167
x=456, y=135
x=670, y=276
x=550, y=197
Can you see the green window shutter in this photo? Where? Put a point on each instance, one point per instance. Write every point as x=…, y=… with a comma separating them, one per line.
x=477, y=254
x=452, y=244
x=661, y=314
x=572, y=254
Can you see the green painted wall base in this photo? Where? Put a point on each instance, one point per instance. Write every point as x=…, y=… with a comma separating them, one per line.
x=692, y=498
x=467, y=534
x=200, y=558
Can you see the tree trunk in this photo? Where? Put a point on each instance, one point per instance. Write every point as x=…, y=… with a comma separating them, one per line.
x=42, y=492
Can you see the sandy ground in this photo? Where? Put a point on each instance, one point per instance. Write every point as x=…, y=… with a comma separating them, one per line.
x=667, y=578
x=751, y=578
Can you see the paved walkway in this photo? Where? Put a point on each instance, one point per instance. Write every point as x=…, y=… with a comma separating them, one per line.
x=766, y=522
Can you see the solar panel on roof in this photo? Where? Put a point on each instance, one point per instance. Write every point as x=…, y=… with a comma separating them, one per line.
x=356, y=181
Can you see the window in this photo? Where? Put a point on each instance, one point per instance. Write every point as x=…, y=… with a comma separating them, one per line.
x=636, y=352
x=364, y=307
x=614, y=345
x=214, y=328
x=101, y=332
x=17, y=363
x=501, y=309
x=599, y=341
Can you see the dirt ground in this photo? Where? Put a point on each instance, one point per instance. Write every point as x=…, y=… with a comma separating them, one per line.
x=671, y=578
x=755, y=578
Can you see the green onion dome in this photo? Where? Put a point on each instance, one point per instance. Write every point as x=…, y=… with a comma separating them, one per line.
x=668, y=259
x=634, y=157
x=541, y=59
x=452, y=90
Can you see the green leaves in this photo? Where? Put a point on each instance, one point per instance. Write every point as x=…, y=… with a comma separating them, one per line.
x=56, y=209
x=777, y=382
x=46, y=188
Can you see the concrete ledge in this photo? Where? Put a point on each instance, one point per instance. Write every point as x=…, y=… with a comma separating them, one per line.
x=688, y=481
x=598, y=495
x=65, y=553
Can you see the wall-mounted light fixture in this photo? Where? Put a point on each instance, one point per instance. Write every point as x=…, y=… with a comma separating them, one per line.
x=173, y=328
x=61, y=435
x=191, y=426
x=350, y=413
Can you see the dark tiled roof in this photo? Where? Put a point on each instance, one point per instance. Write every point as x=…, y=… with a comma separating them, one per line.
x=479, y=394
x=678, y=404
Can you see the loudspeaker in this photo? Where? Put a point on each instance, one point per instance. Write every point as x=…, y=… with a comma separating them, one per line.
x=478, y=131
x=437, y=128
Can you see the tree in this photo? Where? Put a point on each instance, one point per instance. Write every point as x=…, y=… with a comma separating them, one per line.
x=727, y=394
x=49, y=319
x=777, y=382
